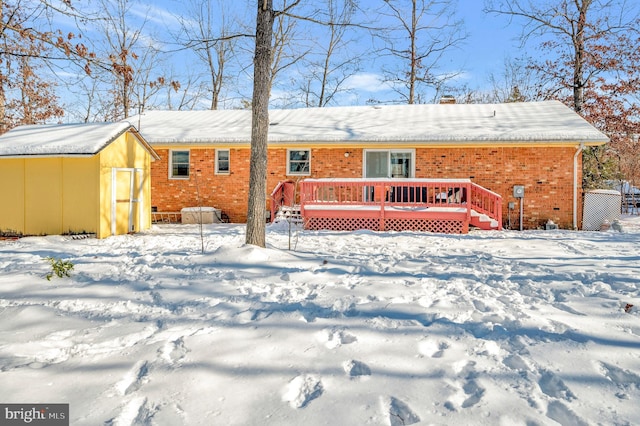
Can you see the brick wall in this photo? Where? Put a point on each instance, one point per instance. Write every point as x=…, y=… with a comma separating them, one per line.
x=546, y=173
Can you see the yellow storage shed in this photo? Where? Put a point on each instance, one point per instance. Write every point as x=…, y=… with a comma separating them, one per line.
x=88, y=178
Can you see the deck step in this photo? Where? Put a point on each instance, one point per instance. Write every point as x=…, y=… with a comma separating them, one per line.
x=289, y=214
x=482, y=221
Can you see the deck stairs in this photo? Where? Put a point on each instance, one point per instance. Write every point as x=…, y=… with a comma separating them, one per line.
x=483, y=221
x=289, y=214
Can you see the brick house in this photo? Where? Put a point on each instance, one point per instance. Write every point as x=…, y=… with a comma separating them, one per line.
x=204, y=155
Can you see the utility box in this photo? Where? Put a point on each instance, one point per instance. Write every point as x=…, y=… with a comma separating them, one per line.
x=550, y=225
x=600, y=206
x=192, y=215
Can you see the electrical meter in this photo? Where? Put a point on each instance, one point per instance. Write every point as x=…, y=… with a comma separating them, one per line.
x=518, y=191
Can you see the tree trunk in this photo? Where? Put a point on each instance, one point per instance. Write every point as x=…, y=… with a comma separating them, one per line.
x=414, y=62
x=579, y=58
x=256, y=221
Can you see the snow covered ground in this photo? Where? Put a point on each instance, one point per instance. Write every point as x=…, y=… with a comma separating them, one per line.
x=495, y=328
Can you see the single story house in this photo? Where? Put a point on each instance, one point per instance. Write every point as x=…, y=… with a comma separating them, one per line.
x=75, y=178
x=528, y=153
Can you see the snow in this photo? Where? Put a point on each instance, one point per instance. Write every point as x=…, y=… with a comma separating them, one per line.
x=81, y=139
x=488, y=328
x=548, y=122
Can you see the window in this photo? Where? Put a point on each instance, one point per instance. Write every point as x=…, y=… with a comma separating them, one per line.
x=179, y=164
x=222, y=161
x=298, y=162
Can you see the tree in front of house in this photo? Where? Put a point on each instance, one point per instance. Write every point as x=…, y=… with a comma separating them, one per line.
x=256, y=221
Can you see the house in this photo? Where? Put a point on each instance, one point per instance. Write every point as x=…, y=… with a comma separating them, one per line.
x=528, y=153
x=75, y=178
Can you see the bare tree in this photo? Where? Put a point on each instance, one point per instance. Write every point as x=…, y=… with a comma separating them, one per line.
x=191, y=91
x=515, y=83
x=208, y=30
x=335, y=53
x=256, y=223
x=287, y=50
x=421, y=32
x=262, y=72
x=130, y=73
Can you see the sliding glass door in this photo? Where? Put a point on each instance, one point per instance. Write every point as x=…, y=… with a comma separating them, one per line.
x=389, y=163
x=386, y=164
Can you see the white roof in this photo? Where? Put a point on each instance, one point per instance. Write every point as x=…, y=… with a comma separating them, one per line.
x=60, y=140
x=547, y=122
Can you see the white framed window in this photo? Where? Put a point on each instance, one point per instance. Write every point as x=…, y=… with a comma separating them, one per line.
x=222, y=162
x=383, y=163
x=179, y=164
x=299, y=162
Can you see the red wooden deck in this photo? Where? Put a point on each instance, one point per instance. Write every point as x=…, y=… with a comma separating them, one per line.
x=431, y=205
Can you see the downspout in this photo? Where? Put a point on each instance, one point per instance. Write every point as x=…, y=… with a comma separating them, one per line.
x=575, y=186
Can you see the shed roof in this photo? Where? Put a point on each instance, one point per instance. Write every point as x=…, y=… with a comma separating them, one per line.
x=528, y=122
x=64, y=140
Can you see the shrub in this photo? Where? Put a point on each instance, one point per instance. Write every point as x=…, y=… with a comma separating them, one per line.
x=59, y=267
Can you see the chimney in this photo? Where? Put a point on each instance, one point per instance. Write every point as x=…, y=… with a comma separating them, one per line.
x=447, y=99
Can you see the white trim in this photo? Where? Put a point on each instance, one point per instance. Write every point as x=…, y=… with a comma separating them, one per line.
x=216, y=170
x=170, y=171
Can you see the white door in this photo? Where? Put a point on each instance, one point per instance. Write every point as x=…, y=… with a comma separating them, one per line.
x=126, y=200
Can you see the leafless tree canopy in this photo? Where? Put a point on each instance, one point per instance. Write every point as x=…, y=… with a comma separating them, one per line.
x=419, y=34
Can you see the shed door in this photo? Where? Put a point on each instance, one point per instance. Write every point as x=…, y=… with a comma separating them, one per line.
x=126, y=200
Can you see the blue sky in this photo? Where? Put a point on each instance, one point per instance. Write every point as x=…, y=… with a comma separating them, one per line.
x=489, y=42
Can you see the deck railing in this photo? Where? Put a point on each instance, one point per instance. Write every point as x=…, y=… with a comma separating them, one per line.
x=486, y=202
x=282, y=195
x=386, y=192
x=435, y=195
x=399, y=193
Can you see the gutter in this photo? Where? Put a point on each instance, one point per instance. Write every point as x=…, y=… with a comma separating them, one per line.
x=575, y=185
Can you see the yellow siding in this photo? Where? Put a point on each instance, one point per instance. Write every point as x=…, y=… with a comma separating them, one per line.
x=43, y=196
x=80, y=197
x=73, y=195
x=125, y=152
x=12, y=193
x=142, y=160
